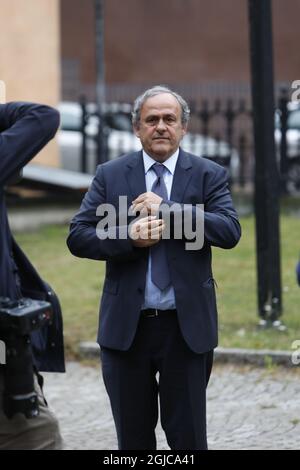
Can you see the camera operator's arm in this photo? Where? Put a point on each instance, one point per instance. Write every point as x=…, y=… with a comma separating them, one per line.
x=25, y=128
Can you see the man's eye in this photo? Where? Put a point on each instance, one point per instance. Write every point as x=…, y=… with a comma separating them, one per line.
x=151, y=121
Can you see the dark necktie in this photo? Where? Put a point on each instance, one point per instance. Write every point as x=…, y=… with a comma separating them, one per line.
x=160, y=273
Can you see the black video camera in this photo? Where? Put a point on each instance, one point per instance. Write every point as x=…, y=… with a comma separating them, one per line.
x=18, y=318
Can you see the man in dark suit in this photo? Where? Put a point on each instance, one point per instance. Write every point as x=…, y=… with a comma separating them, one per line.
x=25, y=128
x=158, y=322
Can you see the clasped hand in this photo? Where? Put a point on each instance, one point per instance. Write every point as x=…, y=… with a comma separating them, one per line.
x=147, y=204
x=146, y=231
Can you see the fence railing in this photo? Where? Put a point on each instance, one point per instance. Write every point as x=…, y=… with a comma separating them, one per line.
x=220, y=130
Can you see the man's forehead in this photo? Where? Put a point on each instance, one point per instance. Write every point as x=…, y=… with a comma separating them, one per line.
x=164, y=102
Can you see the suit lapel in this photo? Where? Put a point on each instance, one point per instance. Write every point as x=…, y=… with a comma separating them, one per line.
x=135, y=174
x=181, y=177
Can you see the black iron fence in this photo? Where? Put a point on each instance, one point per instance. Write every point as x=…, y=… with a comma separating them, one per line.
x=220, y=130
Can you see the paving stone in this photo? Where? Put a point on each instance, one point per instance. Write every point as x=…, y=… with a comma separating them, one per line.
x=247, y=408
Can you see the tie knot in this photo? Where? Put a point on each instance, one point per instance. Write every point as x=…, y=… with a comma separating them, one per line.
x=159, y=169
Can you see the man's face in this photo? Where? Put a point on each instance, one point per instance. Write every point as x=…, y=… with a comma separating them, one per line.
x=160, y=129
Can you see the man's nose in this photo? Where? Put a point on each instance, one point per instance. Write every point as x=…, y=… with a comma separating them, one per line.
x=161, y=125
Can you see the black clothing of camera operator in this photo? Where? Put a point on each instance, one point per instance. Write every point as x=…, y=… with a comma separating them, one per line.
x=25, y=129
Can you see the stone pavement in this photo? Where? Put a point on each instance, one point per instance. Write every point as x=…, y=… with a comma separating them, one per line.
x=248, y=408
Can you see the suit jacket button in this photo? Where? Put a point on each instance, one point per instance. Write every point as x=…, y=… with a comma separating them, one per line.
x=140, y=290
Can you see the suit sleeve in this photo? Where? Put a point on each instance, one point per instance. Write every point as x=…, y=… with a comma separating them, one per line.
x=221, y=225
x=25, y=128
x=83, y=240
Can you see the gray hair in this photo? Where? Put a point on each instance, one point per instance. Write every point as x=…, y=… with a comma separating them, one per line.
x=158, y=90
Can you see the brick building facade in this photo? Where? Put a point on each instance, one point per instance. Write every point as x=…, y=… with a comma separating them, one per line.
x=189, y=42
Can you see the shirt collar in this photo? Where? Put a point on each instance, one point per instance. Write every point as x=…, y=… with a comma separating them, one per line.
x=170, y=163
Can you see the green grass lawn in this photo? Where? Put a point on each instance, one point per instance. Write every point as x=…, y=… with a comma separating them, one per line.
x=78, y=283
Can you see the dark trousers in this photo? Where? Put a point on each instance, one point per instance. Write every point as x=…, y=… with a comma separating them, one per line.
x=131, y=382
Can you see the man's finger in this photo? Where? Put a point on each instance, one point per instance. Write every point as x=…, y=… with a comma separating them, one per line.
x=155, y=233
x=139, y=208
x=140, y=198
x=155, y=223
x=147, y=221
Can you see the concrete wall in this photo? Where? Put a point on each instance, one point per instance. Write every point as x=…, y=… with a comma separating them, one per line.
x=30, y=56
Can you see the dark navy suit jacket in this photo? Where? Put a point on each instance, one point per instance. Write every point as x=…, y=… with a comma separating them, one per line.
x=25, y=128
x=196, y=181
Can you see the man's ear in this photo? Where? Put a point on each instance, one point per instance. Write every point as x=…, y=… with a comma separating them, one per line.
x=2, y=92
x=136, y=129
x=184, y=130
